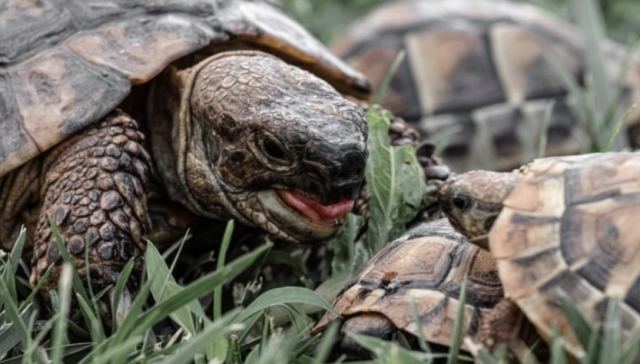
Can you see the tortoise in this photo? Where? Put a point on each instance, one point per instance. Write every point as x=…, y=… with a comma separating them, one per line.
x=560, y=226
x=225, y=109
x=425, y=267
x=475, y=74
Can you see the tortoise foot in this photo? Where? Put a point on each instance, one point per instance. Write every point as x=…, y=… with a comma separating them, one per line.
x=94, y=192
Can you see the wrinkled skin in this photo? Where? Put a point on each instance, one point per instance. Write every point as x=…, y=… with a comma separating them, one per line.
x=266, y=143
x=472, y=201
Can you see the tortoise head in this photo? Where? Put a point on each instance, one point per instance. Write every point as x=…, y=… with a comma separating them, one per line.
x=271, y=145
x=472, y=201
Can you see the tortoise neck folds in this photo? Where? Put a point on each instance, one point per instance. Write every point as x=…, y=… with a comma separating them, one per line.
x=472, y=201
x=261, y=141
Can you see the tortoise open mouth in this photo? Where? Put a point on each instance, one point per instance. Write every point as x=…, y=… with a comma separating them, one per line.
x=313, y=209
x=297, y=216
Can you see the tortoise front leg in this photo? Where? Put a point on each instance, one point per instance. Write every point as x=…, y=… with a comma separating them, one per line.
x=94, y=192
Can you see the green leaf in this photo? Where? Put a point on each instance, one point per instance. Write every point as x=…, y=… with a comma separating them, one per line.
x=283, y=296
x=343, y=245
x=163, y=285
x=395, y=181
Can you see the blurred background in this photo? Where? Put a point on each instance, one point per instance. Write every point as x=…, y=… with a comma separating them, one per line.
x=470, y=107
x=328, y=18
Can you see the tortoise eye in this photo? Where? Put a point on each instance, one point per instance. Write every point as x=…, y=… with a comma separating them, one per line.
x=461, y=202
x=272, y=148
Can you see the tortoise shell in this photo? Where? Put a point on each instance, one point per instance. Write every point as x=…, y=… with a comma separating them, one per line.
x=569, y=227
x=476, y=72
x=427, y=267
x=64, y=65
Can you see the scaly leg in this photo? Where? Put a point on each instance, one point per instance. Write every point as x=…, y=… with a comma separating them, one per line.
x=94, y=192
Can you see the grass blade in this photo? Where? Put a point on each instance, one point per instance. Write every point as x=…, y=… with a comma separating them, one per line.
x=456, y=341
x=579, y=325
x=328, y=339
x=62, y=250
x=557, y=349
x=60, y=328
x=631, y=352
x=382, y=90
x=196, y=345
x=163, y=285
x=11, y=267
x=224, y=247
x=203, y=286
x=611, y=350
x=95, y=323
x=284, y=296
x=123, y=278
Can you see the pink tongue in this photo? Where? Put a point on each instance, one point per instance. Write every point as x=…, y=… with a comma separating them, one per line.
x=313, y=209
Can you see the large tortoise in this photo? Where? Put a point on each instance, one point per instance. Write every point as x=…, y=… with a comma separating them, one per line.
x=475, y=71
x=425, y=268
x=242, y=108
x=559, y=226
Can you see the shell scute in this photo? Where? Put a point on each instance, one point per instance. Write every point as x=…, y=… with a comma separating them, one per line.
x=141, y=47
x=54, y=97
x=459, y=76
x=596, y=203
x=429, y=265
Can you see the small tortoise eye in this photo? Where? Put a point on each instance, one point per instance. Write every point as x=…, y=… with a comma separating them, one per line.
x=461, y=202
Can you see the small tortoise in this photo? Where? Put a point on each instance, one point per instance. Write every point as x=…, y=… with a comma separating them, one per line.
x=241, y=106
x=477, y=69
x=559, y=226
x=427, y=267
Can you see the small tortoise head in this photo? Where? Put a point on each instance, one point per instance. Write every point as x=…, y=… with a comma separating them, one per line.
x=472, y=201
x=273, y=145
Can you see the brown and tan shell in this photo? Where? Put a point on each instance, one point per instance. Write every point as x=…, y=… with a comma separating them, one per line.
x=571, y=227
x=476, y=71
x=66, y=64
x=427, y=267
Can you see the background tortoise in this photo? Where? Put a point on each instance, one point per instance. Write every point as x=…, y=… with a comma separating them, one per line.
x=235, y=124
x=568, y=226
x=427, y=265
x=477, y=70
